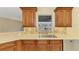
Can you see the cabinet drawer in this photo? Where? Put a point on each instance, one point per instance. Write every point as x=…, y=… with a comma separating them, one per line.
x=28, y=42
x=42, y=42
x=55, y=41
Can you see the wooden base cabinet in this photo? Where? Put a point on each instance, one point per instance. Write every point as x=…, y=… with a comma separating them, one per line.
x=29, y=45
x=9, y=46
x=32, y=45
x=56, y=45
x=43, y=45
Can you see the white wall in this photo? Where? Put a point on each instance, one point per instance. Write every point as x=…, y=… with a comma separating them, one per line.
x=45, y=10
x=11, y=12
x=10, y=19
x=10, y=25
x=75, y=19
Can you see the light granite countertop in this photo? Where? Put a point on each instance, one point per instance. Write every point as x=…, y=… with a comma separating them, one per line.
x=11, y=36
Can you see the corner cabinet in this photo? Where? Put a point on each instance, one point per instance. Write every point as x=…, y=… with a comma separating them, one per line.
x=29, y=16
x=8, y=46
x=63, y=17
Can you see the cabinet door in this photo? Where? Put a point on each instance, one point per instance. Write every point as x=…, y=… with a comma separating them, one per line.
x=12, y=48
x=42, y=45
x=63, y=17
x=55, y=45
x=67, y=18
x=59, y=19
x=9, y=46
x=29, y=18
x=29, y=45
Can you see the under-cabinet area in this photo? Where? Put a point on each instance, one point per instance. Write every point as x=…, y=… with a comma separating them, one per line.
x=32, y=45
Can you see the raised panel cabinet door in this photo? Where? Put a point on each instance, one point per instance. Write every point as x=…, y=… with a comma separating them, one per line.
x=29, y=45
x=29, y=18
x=55, y=45
x=42, y=45
x=9, y=46
x=59, y=19
x=68, y=18
x=63, y=17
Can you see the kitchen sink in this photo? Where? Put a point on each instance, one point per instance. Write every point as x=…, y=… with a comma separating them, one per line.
x=47, y=36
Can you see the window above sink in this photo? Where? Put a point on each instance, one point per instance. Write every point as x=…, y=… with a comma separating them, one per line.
x=44, y=23
x=44, y=18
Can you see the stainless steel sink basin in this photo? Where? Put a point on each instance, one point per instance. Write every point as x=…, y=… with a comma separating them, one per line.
x=47, y=36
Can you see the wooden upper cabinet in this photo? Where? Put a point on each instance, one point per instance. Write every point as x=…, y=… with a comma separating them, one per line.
x=63, y=17
x=29, y=16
